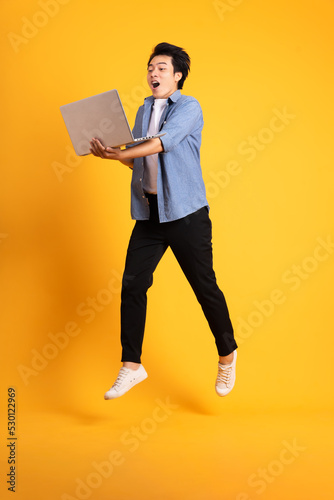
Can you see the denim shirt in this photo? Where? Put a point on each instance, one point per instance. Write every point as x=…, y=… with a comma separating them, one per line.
x=180, y=185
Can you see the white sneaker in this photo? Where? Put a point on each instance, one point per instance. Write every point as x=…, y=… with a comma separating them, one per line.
x=226, y=377
x=126, y=379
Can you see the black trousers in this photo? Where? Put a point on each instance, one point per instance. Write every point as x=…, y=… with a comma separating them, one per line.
x=190, y=240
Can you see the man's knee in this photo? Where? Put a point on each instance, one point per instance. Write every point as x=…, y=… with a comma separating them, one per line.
x=132, y=283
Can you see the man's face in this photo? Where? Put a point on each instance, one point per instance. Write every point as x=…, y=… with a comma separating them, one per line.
x=161, y=77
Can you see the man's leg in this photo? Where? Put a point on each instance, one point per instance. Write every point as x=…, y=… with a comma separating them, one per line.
x=146, y=247
x=190, y=241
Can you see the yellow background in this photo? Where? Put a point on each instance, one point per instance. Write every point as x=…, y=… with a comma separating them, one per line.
x=63, y=239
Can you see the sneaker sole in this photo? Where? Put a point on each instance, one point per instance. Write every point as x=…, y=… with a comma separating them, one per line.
x=141, y=378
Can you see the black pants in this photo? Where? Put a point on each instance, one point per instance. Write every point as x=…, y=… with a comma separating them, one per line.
x=190, y=241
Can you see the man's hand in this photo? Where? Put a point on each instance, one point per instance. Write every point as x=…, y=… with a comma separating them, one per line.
x=126, y=156
x=97, y=149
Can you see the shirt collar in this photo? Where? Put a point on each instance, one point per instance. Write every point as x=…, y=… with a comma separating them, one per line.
x=175, y=96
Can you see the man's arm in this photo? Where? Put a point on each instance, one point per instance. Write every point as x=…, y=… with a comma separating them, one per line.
x=126, y=156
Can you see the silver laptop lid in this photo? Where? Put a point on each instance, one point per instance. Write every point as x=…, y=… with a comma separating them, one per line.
x=101, y=116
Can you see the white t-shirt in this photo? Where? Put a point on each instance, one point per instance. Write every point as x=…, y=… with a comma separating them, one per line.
x=151, y=162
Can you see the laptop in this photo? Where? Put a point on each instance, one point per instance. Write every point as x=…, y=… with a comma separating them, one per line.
x=101, y=116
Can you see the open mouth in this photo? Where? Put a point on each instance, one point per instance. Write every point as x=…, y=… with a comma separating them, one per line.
x=155, y=84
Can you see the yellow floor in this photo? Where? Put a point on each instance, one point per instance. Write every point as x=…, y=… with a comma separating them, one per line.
x=164, y=450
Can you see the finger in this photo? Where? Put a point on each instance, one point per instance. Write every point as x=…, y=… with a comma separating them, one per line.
x=93, y=149
x=96, y=149
x=100, y=148
x=99, y=145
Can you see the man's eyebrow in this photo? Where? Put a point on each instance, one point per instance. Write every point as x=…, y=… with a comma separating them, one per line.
x=162, y=62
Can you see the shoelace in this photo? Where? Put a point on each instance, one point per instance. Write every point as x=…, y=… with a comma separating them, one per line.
x=121, y=376
x=224, y=374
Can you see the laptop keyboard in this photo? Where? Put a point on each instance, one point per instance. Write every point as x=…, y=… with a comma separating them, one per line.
x=143, y=138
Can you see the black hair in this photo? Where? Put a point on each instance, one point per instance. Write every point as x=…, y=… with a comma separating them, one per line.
x=180, y=59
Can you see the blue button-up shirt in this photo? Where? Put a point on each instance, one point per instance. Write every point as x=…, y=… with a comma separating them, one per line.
x=180, y=185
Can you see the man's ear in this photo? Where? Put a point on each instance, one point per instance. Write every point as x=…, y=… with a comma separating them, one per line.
x=178, y=76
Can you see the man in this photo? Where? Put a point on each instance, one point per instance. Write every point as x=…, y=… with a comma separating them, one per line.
x=168, y=202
